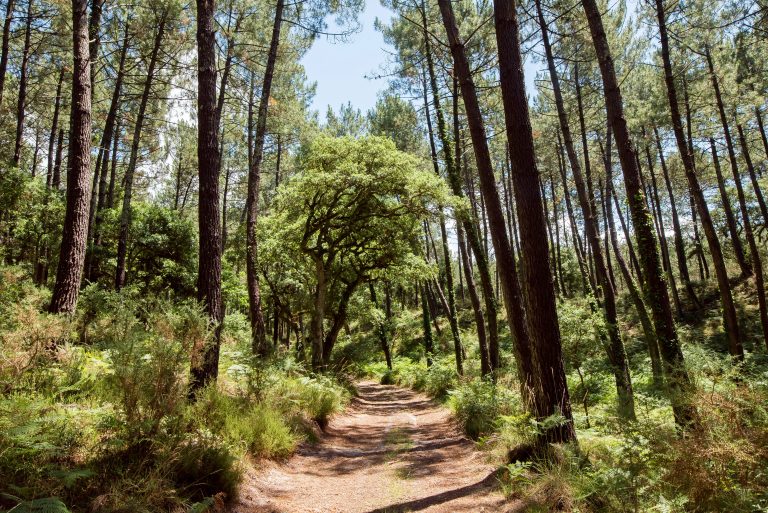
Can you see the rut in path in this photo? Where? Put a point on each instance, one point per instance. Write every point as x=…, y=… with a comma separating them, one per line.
x=393, y=450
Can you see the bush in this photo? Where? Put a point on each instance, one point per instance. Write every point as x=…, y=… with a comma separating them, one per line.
x=478, y=405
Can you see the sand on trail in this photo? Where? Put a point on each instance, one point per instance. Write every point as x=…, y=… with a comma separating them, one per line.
x=393, y=450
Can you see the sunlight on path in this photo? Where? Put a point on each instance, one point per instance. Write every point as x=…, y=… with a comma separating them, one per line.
x=393, y=451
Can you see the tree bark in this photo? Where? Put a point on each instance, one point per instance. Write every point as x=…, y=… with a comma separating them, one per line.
x=505, y=261
x=617, y=354
x=126, y=212
x=6, y=45
x=72, y=253
x=537, y=284
x=730, y=319
x=757, y=264
x=205, y=360
x=258, y=330
x=54, y=130
x=656, y=289
x=23, y=78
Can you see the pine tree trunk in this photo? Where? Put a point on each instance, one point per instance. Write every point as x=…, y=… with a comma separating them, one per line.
x=6, y=45
x=539, y=292
x=730, y=319
x=54, y=130
x=477, y=308
x=617, y=354
x=72, y=253
x=754, y=252
x=205, y=359
x=733, y=229
x=656, y=289
x=23, y=79
x=126, y=212
x=682, y=260
x=504, y=254
x=258, y=330
x=454, y=180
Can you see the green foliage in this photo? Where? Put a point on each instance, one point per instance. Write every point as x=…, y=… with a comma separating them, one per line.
x=479, y=404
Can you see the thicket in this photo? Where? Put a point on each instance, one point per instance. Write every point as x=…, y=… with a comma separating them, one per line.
x=94, y=410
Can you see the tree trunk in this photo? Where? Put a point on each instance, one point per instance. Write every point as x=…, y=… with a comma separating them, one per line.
x=54, y=130
x=730, y=319
x=617, y=354
x=656, y=289
x=662, y=232
x=102, y=160
x=23, y=78
x=205, y=361
x=126, y=212
x=318, y=316
x=477, y=307
x=537, y=284
x=505, y=261
x=634, y=292
x=682, y=260
x=72, y=254
x=6, y=45
x=757, y=264
x=258, y=330
x=429, y=347
x=470, y=228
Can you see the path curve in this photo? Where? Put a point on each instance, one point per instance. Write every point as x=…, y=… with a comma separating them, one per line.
x=393, y=450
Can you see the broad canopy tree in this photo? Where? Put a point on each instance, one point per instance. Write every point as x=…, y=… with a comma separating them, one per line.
x=351, y=216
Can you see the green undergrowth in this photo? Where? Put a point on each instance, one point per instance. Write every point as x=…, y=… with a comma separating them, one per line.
x=618, y=466
x=94, y=414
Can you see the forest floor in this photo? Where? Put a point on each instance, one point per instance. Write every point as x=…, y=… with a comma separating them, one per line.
x=393, y=450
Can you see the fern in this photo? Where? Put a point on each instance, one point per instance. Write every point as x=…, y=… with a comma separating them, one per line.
x=47, y=505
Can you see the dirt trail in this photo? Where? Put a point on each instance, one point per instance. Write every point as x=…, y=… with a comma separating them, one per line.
x=393, y=450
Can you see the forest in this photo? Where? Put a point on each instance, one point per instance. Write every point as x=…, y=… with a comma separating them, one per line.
x=496, y=290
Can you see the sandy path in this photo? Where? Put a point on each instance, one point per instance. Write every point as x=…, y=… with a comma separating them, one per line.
x=393, y=450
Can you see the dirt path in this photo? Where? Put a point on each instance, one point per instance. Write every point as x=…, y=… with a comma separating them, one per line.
x=392, y=451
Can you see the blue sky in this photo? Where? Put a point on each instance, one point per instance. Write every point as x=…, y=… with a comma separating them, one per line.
x=340, y=68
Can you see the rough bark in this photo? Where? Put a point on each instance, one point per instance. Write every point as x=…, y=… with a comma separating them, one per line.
x=730, y=319
x=72, y=253
x=126, y=212
x=258, y=330
x=656, y=289
x=205, y=360
x=537, y=284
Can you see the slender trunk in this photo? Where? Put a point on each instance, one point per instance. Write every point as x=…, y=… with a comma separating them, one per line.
x=557, y=235
x=224, y=207
x=448, y=271
x=205, y=360
x=56, y=179
x=477, y=308
x=318, y=316
x=634, y=292
x=662, y=234
x=578, y=247
x=763, y=136
x=383, y=328
x=730, y=319
x=258, y=330
x=617, y=354
x=505, y=261
x=429, y=348
x=94, y=36
x=54, y=129
x=682, y=260
x=470, y=228
x=113, y=167
x=539, y=293
x=126, y=212
x=102, y=160
x=72, y=254
x=338, y=322
x=23, y=78
x=730, y=218
x=6, y=45
x=656, y=288
x=754, y=252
